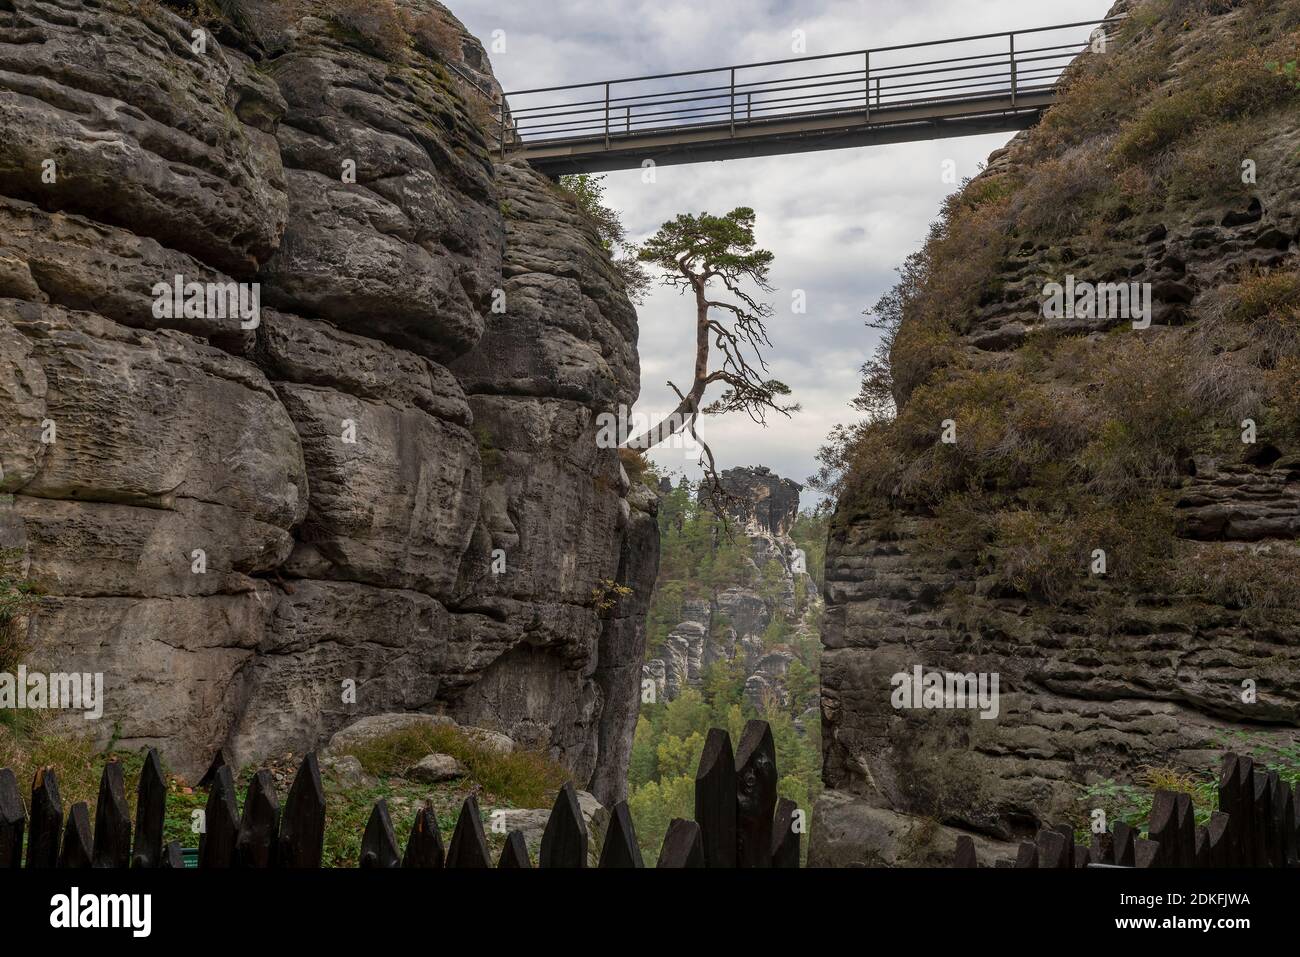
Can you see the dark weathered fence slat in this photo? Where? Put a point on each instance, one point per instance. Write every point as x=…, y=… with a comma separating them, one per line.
x=47, y=820
x=1217, y=834
x=1124, y=837
x=620, y=848
x=259, y=827
x=210, y=775
x=112, y=844
x=302, y=822
x=468, y=842
x=220, y=831
x=1067, y=834
x=173, y=857
x=150, y=813
x=683, y=846
x=13, y=821
x=424, y=846
x=564, y=842
x=1145, y=853
x=755, y=795
x=1162, y=828
x=1102, y=849
x=1053, y=852
x=515, y=853
x=715, y=800
x=785, y=839
x=1027, y=856
x=379, y=843
x=1285, y=824
x=77, y=849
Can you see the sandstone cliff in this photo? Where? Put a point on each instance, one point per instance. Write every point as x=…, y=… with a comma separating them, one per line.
x=387, y=481
x=1113, y=531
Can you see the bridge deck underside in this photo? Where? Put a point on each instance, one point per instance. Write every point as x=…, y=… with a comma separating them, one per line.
x=804, y=132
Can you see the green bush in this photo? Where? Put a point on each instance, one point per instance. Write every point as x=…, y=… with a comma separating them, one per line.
x=522, y=778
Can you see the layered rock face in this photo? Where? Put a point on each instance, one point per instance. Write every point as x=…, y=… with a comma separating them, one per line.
x=731, y=623
x=391, y=478
x=1109, y=535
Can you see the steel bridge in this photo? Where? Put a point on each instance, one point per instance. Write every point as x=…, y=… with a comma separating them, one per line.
x=894, y=94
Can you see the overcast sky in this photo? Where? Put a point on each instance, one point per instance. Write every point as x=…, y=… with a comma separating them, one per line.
x=840, y=222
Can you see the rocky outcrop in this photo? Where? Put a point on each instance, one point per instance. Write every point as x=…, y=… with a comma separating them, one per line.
x=760, y=501
x=1142, y=663
x=384, y=494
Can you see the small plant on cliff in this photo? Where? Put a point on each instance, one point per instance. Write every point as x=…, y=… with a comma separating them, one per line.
x=589, y=192
x=608, y=594
x=18, y=597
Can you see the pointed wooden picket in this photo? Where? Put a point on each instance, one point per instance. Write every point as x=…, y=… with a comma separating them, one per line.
x=77, y=850
x=173, y=857
x=112, y=845
x=564, y=842
x=150, y=812
x=210, y=775
x=220, y=832
x=302, y=821
x=468, y=846
x=515, y=854
x=1124, y=836
x=1162, y=827
x=683, y=845
x=379, y=842
x=1067, y=834
x=1052, y=850
x=785, y=837
x=47, y=820
x=1145, y=853
x=1284, y=828
x=1027, y=856
x=1102, y=849
x=1262, y=826
x=715, y=800
x=259, y=827
x=755, y=795
x=13, y=821
x=621, y=848
x=1202, y=856
x=1244, y=812
x=424, y=846
x=1218, y=831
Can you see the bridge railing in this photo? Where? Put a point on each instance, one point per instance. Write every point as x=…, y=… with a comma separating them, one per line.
x=1002, y=66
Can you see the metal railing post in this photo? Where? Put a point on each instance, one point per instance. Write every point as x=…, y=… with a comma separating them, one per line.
x=501, y=134
x=1012, y=38
x=733, y=101
x=749, y=107
x=628, y=122
x=606, y=116
x=866, y=76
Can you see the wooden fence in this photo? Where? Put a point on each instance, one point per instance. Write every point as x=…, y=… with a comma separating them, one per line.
x=1256, y=826
x=739, y=822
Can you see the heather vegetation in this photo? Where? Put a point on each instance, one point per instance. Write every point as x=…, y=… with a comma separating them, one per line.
x=1078, y=440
